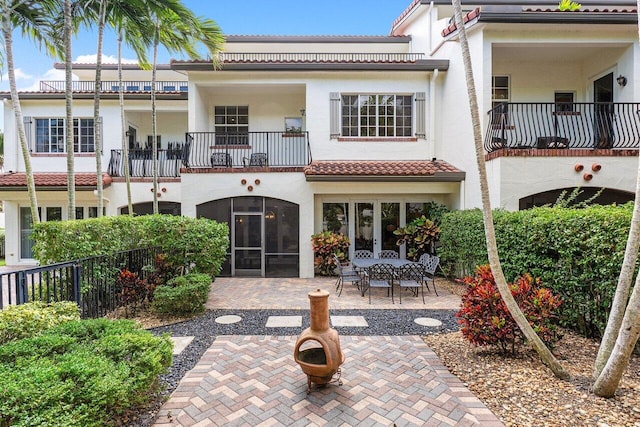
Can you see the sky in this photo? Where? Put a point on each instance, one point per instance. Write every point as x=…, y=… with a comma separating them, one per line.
x=235, y=17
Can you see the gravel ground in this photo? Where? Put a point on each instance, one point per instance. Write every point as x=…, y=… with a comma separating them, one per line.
x=523, y=392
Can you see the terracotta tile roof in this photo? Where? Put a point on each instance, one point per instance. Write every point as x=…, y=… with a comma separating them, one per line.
x=405, y=12
x=382, y=168
x=19, y=179
x=542, y=13
x=466, y=18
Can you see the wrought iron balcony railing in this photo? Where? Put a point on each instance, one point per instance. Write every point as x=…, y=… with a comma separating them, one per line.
x=248, y=149
x=584, y=125
x=111, y=86
x=141, y=162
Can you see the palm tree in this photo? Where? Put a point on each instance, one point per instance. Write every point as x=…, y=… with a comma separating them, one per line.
x=492, y=248
x=623, y=326
x=31, y=17
x=178, y=30
x=97, y=130
x=68, y=96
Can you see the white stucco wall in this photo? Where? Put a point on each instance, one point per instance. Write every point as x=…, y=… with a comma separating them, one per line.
x=525, y=176
x=292, y=187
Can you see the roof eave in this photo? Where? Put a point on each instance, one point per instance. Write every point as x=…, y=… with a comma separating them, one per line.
x=436, y=177
x=419, y=65
x=85, y=95
x=558, y=18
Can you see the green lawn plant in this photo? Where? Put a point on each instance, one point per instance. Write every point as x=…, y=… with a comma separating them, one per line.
x=419, y=236
x=183, y=296
x=28, y=320
x=80, y=373
x=325, y=245
x=193, y=244
x=577, y=253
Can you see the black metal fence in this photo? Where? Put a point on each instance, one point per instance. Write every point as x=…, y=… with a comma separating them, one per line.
x=573, y=125
x=248, y=149
x=90, y=282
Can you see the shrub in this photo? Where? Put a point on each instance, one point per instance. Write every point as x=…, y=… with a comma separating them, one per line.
x=486, y=321
x=164, y=270
x=325, y=244
x=183, y=296
x=194, y=244
x=420, y=236
x=28, y=320
x=80, y=373
x=577, y=253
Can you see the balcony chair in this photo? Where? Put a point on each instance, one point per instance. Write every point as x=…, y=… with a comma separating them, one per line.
x=255, y=160
x=410, y=276
x=388, y=254
x=221, y=160
x=430, y=263
x=346, y=274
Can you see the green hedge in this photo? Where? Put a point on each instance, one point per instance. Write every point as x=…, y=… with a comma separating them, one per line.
x=198, y=244
x=576, y=252
x=80, y=373
x=182, y=296
x=28, y=320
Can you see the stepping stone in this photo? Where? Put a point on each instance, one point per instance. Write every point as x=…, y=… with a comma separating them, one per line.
x=228, y=319
x=428, y=321
x=357, y=321
x=284, y=322
x=180, y=343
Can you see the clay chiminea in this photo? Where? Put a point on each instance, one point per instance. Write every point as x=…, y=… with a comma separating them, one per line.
x=317, y=349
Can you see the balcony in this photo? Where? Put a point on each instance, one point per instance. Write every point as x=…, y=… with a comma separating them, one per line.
x=566, y=126
x=313, y=57
x=218, y=152
x=141, y=162
x=248, y=149
x=112, y=86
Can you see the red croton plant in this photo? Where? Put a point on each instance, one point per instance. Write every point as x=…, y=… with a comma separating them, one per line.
x=486, y=321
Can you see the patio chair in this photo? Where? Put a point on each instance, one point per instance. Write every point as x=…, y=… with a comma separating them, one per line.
x=388, y=254
x=363, y=253
x=221, y=160
x=346, y=274
x=255, y=160
x=410, y=276
x=430, y=263
x=379, y=276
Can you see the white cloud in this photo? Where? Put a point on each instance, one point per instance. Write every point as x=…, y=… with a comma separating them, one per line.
x=106, y=59
x=50, y=74
x=20, y=75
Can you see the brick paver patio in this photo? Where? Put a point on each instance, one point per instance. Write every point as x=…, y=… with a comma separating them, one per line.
x=254, y=381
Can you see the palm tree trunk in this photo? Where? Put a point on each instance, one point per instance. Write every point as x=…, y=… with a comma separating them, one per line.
x=71, y=185
x=17, y=109
x=154, y=132
x=492, y=247
x=97, y=129
x=609, y=379
x=125, y=143
x=623, y=325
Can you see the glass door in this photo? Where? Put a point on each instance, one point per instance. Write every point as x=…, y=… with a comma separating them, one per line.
x=247, y=244
x=389, y=222
x=364, y=222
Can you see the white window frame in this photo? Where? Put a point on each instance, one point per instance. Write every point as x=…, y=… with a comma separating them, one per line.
x=52, y=138
x=377, y=121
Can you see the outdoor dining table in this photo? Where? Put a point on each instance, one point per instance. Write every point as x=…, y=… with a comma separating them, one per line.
x=362, y=264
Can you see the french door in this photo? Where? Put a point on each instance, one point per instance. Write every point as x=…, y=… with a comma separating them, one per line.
x=374, y=224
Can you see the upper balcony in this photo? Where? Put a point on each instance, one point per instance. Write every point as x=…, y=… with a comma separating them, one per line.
x=113, y=86
x=563, y=126
x=311, y=57
x=217, y=152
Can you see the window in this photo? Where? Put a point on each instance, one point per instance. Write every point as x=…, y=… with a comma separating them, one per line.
x=335, y=217
x=50, y=135
x=564, y=101
x=231, y=125
x=500, y=95
x=377, y=115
